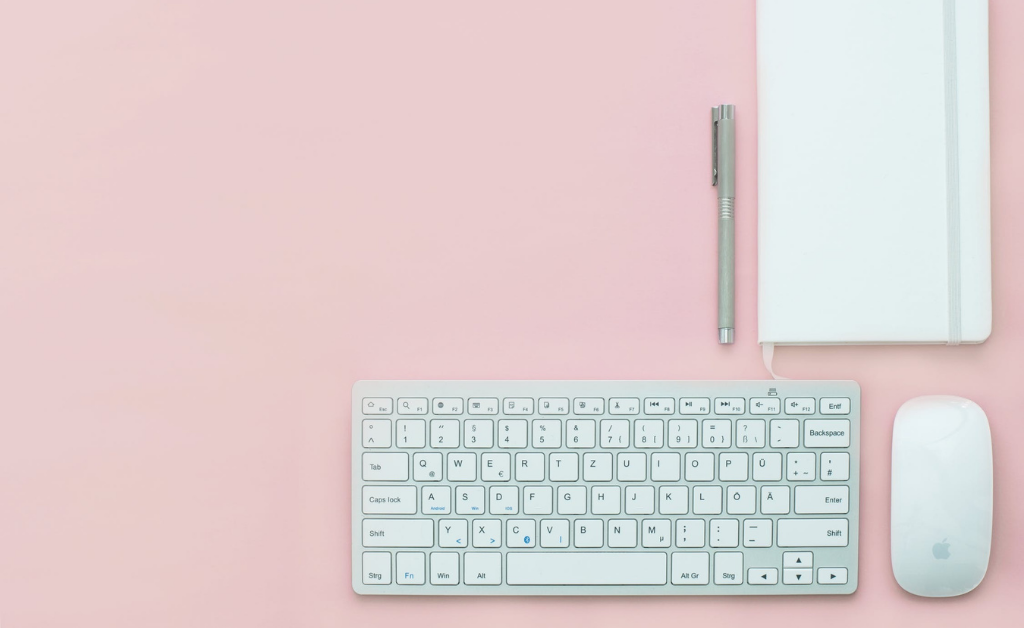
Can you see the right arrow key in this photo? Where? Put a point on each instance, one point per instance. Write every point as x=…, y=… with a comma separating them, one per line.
x=832, y=575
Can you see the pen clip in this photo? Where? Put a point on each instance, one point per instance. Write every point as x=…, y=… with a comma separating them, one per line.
x=715, y=117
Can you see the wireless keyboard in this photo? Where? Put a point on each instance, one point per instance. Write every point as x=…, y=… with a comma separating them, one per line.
x=605, y=487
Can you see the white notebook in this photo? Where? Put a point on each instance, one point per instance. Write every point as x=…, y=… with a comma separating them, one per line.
x=873, y=172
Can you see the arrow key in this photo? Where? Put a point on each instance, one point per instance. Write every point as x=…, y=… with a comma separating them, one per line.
x=797, y=560
x=757, y=575
x=797, y=576
x=832, y=575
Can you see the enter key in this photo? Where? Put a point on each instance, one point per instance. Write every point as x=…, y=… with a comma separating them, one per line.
x=822, y=500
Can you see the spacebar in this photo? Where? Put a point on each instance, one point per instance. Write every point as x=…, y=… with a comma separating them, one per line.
x=586, y=568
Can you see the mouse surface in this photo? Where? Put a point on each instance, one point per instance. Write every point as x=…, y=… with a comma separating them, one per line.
x=941, y=496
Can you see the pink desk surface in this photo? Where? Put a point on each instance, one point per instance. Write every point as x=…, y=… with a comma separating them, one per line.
x=217, y=216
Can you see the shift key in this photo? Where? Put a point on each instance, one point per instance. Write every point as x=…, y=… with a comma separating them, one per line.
x=814, y=532
x=398, y=532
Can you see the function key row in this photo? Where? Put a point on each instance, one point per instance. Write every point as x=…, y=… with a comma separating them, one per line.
x=654, y=406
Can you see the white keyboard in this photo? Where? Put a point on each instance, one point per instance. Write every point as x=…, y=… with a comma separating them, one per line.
x=605, y=487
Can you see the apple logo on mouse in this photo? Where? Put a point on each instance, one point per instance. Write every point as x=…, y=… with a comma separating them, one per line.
x=941, y=550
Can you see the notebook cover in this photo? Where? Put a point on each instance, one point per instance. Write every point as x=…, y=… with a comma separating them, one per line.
x=873, y=171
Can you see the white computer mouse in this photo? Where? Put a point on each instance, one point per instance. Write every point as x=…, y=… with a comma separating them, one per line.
x=941, y=496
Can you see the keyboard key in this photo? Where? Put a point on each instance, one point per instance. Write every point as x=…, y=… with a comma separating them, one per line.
x=521, y=533
x=478, y=433
x=732, y=467
x=504, y=500
x=834, y=405
x=835, y=467
x=798, y=560
x=622, y=533
x=648, y=433
x=597, y=467
x=765, y=405
x=529, y=467
x=822, y=500
x=624, y=405
x=564, y=467
x=631, y=467
x=796, y=576
x=547, y=434
x=606, y=500
x=380, y=467
x=694, y=405
x=827, y=433
x=537, y=500
x=588, y=533
x=572, y=500
x=444, y=568
x=376, y=567
x=700, y=467
x=774, y=500
x=554, y=405
x=707, y=500
x=785, y=433
x=461, y=467
x=690, y=532
x=728, y=567
x=378, y=405
x=495, y=467
x=554, y=533
x=448, y=405
x=586, y=568
x=760, y=575
x=691, y=568
x=398, y=532
x=469, y=500
x=376, y=433
x=517, y=405
x=682, y=433
x=757, y=533
x=615, y=433
x=639, y=500
x=426, y=467
x=580, y=433
x=730, y=405
x=588, y=405
x=742, y=500
x=389, y=500
x=483, y=568
x=717, y=433
x=436, y=500
x=813, y=532
x=483, y=405
x=656, y=533
x=411, y=433
x=750, y=433
x=412, y=405
x=767, y=467
x=410, y=567
x=800, y=405
x=724, y=532
x=512, y=434
x=659, y=405
x=673, y=500
x=444, y=433
x=665, y=467
x=800, y=467
x=453, y=533
x=486, y=533
x=832, y=575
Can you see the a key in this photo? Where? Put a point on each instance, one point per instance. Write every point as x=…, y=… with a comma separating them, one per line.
x=478, y=433
x=398, y=532
x=699, y=467
x=623, y=405
x=707, y=500
x=639, y=500
x=826, y=433
x=767, y=467
x=461, y=467
x=597, y=467
x=554, y=533
x=564, y=467
x=694, y=405
x=376, y=433
x=724, y=532
x=547, y=433
x=690, y=532
x=444, y=433
x=486, y=532
x=504, y=500
x=411, y=433
x=665, y=467
x=656, y=533
x=412, y=405
x=784, y=433
x=410, y=567
x=622, y=533
x=800, y=467
x=615, y=433
x=586, y=568
x=483, y=568
x=757, y=533
x=835, y=467
x=774, y=500
x=741, y=500
x=728, y=567
x=512, y=434
x=717, y=433
x=377, y=405
x=579, y=433
x=376, y=567
x=691, y=568
x=537, y=500
x=588, y=405
x=750, y=433
x=517, y=405
x=606, y=500
x=588, y=533
x=732, y=467
x=682, y=433
x=821, y=500
x=379, y=467
x=572, y=500
x=521, y=533
x=673, y=500
x=389, y=500
x=553, y=405
x=648, y=433
x=814, y=532
x=426, y=467
x=448, y=405
x=453, y=533
x=444, y=568
x=631, y=467
x=730, y=405
x=529, y=467
x=469, y=500
x=436, y=500
x=483, y=405
x=495, y=467
x=659, y=405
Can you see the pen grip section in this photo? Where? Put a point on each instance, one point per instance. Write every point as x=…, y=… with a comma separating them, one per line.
x=726, y=263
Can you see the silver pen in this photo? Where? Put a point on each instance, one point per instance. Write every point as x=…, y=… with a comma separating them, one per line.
x=723, y=176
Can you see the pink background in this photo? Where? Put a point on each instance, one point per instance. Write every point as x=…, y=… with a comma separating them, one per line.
x=218, y=215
